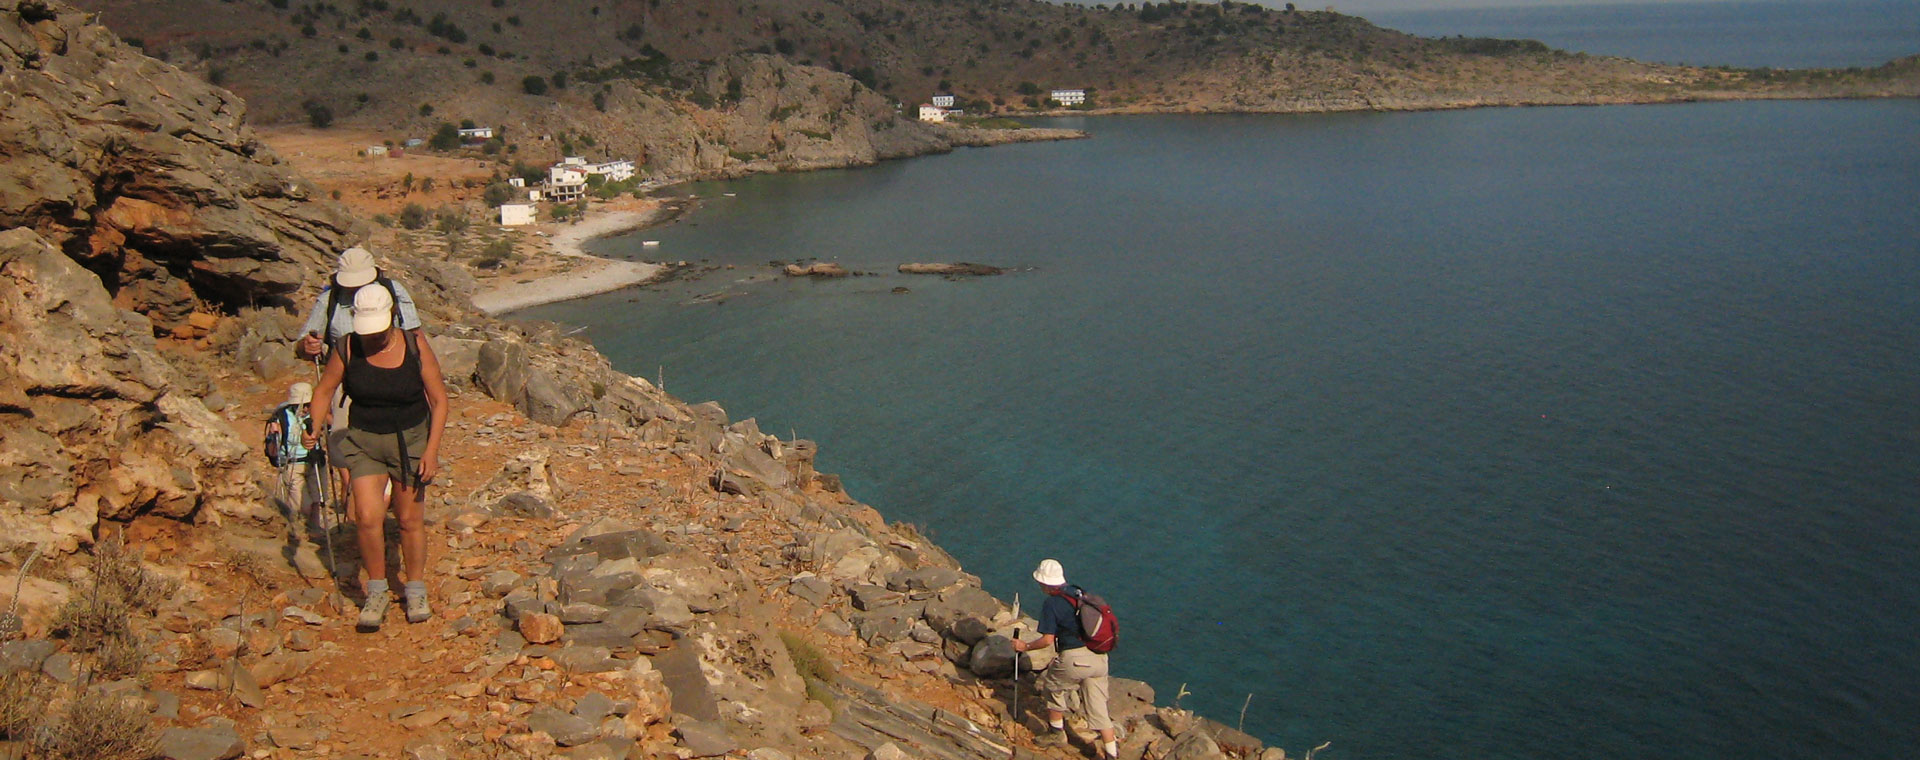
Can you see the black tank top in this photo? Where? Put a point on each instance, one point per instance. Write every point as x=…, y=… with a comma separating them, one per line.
x=385, y=400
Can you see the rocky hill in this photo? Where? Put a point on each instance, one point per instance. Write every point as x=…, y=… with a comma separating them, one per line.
x=616, y=573
x=717, y=85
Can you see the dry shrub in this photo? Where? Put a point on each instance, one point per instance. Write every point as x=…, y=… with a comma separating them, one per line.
x=249, y=565
x=23, y=699
x=121, y=656
x=101, y=726
x=93, y=618
x=118, y=568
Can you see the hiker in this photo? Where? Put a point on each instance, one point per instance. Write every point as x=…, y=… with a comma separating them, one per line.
x=300, y=466
x=331, y=318
x=1074, y=665
x=399, y=401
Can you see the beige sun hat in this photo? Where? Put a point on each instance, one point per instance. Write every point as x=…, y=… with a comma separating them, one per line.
x=356, y=268
x=1049, y=573
x=372, y=311
x=300, y=393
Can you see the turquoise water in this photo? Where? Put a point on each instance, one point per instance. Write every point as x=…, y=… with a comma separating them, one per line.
x=1777, y=33
x=1548, y=432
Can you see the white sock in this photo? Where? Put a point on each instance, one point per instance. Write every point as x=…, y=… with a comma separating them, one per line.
x=1113, y=749
x=1058, y=725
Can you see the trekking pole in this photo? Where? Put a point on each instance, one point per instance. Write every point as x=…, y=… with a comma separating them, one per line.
x=1016, y=680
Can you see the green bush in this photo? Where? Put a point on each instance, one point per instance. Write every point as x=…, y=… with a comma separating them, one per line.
x=534, y=85
x=414, y=216
x=447, y=137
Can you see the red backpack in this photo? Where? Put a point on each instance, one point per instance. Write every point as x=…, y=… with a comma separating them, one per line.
x=1098, y=625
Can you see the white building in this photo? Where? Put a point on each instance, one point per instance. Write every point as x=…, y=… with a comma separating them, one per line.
x=565, y=183
x=614, y=171
x=943, y=101
x=376, y=150
x=1069, y=97
x=573, y=161
x=476, y=134
x=516, y=182
x=931, y=112
x=516, y=214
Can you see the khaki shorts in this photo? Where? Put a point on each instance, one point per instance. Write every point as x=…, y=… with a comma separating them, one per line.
x=364, y=453
x=1079, y=669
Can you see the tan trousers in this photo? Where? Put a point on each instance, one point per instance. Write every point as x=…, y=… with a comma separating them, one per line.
x=1086, y=672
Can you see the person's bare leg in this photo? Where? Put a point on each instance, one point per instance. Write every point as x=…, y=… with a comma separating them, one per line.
x=368, y=507
x=369, y=523
x=409, y=508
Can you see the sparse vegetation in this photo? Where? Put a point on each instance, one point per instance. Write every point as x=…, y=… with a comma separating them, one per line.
x=100, y=725
x=414, y=216
x=812, y=665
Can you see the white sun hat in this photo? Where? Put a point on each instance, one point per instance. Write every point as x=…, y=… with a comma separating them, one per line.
x=1049, y=573
x=300, y=393
x=356, y=268
x=372, y=311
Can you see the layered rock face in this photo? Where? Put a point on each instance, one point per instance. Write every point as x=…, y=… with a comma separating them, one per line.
x=146, y=175
x=93, y=423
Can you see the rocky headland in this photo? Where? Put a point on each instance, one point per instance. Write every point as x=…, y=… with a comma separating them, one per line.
x=617, y=573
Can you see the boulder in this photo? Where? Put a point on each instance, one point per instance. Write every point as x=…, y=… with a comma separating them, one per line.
x=540, y=628
x=213, y=739
x=704, y=738
x=566, y=729
x=993, y=657
x=946, y=611
x=1195, y=744
x=525, y=473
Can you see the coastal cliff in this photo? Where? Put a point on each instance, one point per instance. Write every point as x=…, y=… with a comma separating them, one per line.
x=616, y=572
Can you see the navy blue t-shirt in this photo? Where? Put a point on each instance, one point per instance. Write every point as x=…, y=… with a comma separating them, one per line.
x=1058, y=617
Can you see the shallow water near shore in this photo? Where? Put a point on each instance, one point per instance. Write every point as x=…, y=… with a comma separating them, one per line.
x=1524, y=433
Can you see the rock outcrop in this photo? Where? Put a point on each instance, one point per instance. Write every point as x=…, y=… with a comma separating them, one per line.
x=962, y=268
x=146, y=174
x=93, y=422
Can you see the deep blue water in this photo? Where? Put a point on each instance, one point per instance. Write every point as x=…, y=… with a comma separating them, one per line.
x=1524, y=433
x=1776, y=33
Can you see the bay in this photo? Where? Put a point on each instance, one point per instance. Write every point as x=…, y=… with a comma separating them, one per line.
x=1551, y=432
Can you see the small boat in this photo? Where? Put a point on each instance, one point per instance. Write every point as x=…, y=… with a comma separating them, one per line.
x=650, y=244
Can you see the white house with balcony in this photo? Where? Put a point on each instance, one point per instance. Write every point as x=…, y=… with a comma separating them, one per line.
x=933, y=113
x=516, y=214
x=566, y=183
x=1072, y=97
x=943, y=101
x=476, y=134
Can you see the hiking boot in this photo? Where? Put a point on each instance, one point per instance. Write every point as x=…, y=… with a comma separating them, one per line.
x=374, y=612
x=417, y=609
x=1053, y=737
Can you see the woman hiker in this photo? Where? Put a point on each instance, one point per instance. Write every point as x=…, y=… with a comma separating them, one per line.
x=393, y=438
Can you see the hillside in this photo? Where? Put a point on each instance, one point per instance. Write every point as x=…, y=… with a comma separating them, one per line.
x=616, y=573
x=688, y=84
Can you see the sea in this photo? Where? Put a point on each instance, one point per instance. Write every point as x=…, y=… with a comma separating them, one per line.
x=1501, y=433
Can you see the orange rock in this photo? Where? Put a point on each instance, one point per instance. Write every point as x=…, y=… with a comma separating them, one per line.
x=540, y=628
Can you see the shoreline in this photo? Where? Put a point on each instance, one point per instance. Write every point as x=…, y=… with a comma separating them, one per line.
x=601, y=275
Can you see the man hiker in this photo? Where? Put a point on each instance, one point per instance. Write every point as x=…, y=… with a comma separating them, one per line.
x=332, y=315
x=1074, y=666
